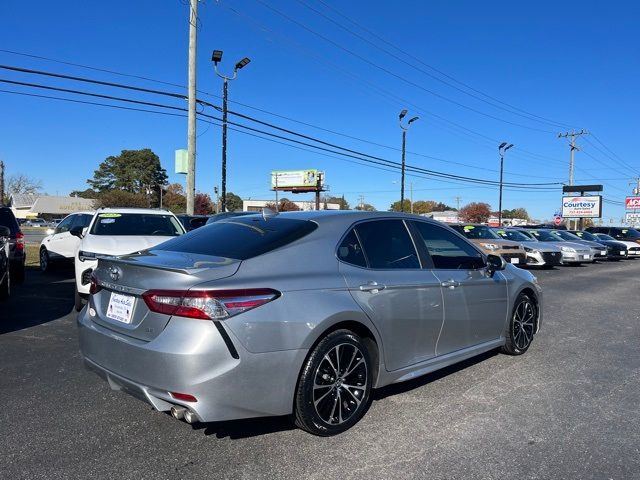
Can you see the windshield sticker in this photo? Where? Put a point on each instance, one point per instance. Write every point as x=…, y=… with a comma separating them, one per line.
x=468, y=228
x=501, y=232
x=625, y=231
x=107, y=220
x=110, y=215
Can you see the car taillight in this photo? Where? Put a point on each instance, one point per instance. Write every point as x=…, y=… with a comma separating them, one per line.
x=94, y=286
x=19, y=241
x=207, y=304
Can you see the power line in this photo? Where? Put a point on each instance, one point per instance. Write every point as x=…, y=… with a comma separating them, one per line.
x=174, y=95
x=431, y=67
x=393, y=74
x=421, y=70
x=360, y=156
x=521, y=151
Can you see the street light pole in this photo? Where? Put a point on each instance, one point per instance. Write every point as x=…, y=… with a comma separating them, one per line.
x=216, y=58
x=404, y=128
x=502, y=148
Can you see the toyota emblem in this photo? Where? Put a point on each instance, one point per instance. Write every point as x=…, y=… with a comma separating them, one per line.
x=114, y=273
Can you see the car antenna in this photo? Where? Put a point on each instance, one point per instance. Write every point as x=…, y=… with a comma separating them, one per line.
x=267, y=213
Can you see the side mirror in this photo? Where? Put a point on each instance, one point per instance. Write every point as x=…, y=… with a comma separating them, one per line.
x=495, y=263
x=4, y=231
x=76, y=231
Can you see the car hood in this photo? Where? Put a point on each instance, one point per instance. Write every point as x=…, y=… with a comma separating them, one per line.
x=541, y=246
x=623, y=242
x=577, y=246
x=121, y=244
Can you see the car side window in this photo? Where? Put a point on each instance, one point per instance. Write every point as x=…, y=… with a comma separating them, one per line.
x=447, y=250
x=350, y=250
x=387, y=244
x=65, y=225
x=82, y=220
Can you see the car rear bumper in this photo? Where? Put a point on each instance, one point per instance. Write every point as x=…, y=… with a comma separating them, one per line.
x=190, y=356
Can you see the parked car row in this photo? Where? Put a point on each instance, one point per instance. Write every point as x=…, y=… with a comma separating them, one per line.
x=546, y=248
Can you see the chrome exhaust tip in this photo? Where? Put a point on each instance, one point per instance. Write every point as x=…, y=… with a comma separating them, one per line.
x=178, y=412
x=190, y=417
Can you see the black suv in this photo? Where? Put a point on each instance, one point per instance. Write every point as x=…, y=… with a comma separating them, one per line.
x=17, y=255
x=5, y=283
x=619, y=233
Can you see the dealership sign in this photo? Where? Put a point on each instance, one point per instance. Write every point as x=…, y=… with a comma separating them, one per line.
x=632, y=218
x=631, y=203
x=582, y=207
x=296, y=179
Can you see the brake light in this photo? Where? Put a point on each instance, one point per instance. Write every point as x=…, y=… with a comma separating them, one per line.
x=94, y=286
x=19, y=241
x=207, y=304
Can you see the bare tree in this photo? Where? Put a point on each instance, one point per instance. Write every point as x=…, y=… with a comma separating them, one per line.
x=20, y=183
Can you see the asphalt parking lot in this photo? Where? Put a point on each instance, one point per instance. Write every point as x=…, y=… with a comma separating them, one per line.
x=567, y=409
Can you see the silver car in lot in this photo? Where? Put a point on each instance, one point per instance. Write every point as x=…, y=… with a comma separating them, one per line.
x=598, y=250
x=572, y=253
x=539, y=254
x=299, y=313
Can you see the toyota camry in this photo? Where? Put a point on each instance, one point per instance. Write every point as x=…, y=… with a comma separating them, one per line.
x=299, y=314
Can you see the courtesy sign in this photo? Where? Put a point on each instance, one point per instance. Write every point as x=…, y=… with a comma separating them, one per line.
x=582, y=207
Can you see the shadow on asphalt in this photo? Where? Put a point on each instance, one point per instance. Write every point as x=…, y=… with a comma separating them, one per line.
x=251, y=427
x=403, y=387
x=42, y=298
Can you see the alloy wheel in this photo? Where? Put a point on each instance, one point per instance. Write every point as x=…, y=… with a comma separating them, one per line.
x=523, y=324
x=340, y=384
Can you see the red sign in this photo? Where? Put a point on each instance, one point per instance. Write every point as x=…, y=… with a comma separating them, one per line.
x=631, y=203
x=557, y=220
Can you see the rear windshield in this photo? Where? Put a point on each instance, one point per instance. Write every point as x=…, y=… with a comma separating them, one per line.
x=136, y=224
x=240, y=238
x=8, y=220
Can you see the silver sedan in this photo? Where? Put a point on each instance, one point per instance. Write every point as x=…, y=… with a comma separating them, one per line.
x=299, y=313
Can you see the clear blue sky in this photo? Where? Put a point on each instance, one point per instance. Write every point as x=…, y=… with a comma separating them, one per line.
x=574, y=63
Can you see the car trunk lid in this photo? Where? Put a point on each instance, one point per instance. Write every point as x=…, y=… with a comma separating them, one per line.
x=118, y=304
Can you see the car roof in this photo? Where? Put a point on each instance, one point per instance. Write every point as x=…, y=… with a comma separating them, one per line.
x=151, y=211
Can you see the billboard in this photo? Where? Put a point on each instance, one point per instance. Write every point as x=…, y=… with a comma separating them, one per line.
x=632, y=218
x=582, y=207
x=294, y=179
x=631, y=203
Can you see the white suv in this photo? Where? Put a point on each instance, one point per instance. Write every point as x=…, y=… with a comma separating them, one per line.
x=119, y=231
x=60, y=245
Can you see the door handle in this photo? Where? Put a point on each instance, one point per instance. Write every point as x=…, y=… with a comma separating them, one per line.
x=372, y=287
x=451, y=284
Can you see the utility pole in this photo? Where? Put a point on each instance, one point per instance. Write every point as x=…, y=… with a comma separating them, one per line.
x=457, y=199
x=404, y=142
x=572, y=135
x=360, y=201
x=191, y=122
x=276, y=179
x=1, y=183
x=502, y=148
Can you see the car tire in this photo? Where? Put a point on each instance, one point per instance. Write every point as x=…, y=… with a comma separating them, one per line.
x=79, y=302
x=5, y=287
x=522, y=326
x=45, y=261
x=334, y=387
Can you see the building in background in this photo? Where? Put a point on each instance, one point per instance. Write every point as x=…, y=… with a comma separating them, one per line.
x=47, y=206
x=448, y=216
